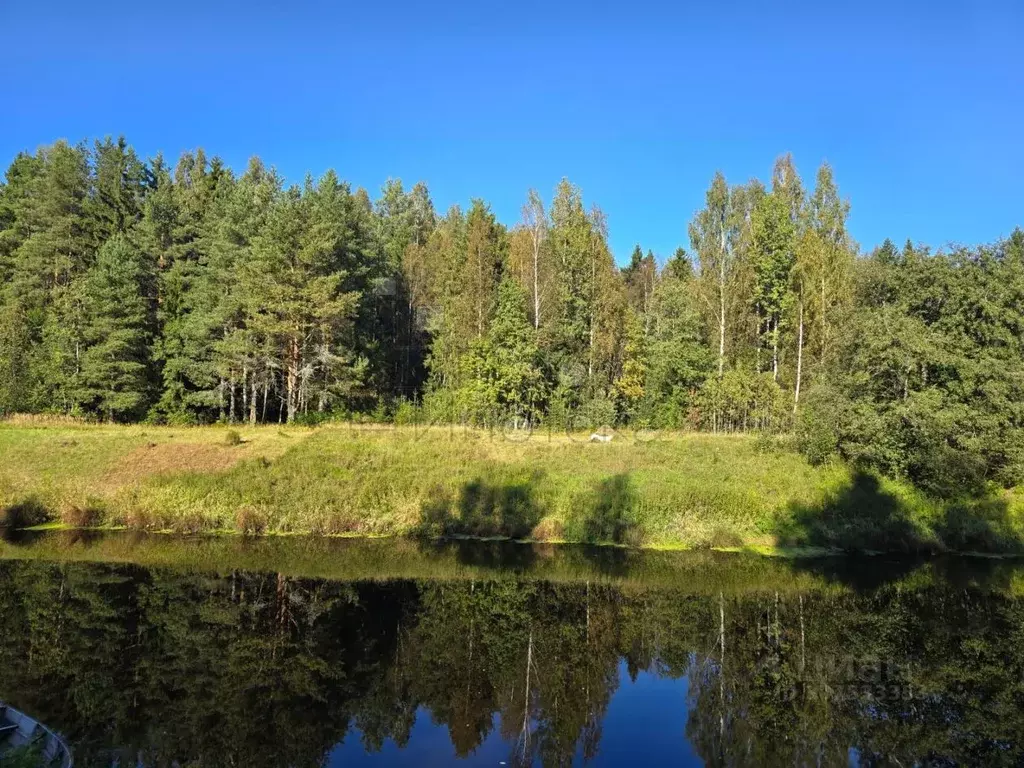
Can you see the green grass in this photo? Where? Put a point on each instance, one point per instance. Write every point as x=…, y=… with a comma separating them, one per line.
x=665, y=490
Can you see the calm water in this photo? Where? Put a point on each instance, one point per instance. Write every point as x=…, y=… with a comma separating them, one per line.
x=222, y=653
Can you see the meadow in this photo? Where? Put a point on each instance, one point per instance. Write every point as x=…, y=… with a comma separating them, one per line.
x=658, y=490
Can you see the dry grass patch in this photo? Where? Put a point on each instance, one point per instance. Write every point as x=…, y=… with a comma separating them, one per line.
x=166, y=458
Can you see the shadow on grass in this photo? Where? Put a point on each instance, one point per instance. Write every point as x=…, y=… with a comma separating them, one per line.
x=608, y=516
x=864, y=517
x=482, y=508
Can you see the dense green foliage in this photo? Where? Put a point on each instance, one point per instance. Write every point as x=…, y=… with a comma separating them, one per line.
x=929, y=376
x=162, y=666
x=133, y=292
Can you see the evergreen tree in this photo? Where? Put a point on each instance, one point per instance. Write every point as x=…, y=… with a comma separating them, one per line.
x=43, y=319
x=192, y=207
x=115, y=376
x=639, y=277
x=118, y=189
x=678, y=360
x=505, y=377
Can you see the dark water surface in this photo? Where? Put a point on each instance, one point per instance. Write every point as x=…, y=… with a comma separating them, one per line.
x=221, y=652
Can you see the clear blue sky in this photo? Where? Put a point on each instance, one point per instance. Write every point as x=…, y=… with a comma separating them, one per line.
x=919, y=106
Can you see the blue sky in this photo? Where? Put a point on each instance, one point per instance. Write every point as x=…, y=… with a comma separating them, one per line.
x=919, y=106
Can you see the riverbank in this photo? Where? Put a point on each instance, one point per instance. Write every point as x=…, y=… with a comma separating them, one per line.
x=650, y=490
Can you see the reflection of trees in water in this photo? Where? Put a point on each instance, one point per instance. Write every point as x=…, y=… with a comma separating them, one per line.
x=266, y=669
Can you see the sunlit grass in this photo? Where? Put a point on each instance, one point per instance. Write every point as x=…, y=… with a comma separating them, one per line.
x=665, y=489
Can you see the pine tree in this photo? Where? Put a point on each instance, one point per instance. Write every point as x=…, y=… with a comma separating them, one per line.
x=16, y=331
x=572, y=244
x=118, y=189
x=583, y=339
x=115, y=376
x=43, y=304
x=640, y=276
x=450, y=324
x=404, y=223
x=187, y=291
x=294, y=299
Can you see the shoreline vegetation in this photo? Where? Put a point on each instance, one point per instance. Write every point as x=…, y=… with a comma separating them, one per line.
x=645, y=489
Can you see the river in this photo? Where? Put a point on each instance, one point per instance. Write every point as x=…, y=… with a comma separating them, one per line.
x=159, y=651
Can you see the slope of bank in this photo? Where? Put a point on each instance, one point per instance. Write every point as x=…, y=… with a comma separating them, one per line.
x=655, y=490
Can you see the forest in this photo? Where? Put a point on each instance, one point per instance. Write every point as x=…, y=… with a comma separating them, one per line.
x=136, y=291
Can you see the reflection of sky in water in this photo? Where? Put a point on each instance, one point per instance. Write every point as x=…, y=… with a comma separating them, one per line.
x=645, y=725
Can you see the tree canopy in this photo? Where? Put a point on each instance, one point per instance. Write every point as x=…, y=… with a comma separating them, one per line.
x=134, y=290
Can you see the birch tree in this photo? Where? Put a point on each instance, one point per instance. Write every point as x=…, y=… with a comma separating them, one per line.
x=712, y=236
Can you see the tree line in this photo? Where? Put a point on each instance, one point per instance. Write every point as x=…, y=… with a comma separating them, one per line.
x=133, y=290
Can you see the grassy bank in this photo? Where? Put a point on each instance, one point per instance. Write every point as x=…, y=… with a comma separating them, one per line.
x=686, y=490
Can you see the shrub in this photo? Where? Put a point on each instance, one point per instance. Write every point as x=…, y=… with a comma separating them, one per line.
x=436, y=514
x=24, y=514
x=139, y=519
x=406, y=413
x=314, y=418
x=548, y=530
x=440, y=407
x=87, y=515
x=608, y=514
x=817, y=435
x=597, y=412
x=232, y=437
x=250, y=522
x=740, y=400
x=722, y=538
x=189, y=523
x=335, y=523
x=381, y=414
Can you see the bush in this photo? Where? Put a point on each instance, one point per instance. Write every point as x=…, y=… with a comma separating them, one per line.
x=949, y=473
x=189, y=523
x=436, y=514
x=315, y=418
x=740, y=400
x=440, y=407
x=139, y=519
x=596, y=413
x=406, y=413
x=231, y=437
x=88, y=515
x=24, y=514
x=381, y=414
x=250, y=522
x=336, y=523
x=817, y=436
x=608, y=515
